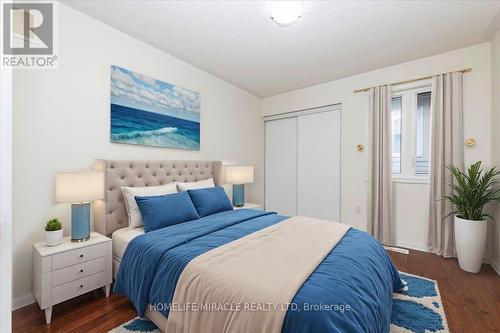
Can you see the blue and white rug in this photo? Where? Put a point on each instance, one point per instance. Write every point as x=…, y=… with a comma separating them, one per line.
x=418, y=309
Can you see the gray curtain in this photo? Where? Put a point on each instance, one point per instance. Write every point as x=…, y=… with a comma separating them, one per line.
x=380, y=211
x=446, y=148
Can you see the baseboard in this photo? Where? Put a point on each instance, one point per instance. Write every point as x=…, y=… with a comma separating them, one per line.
x=411, y=246
x=493, y=264
x=23, y=301
x=396, y=249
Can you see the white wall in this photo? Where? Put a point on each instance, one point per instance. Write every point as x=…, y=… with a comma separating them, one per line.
x=410, y=199
x=61, y=122
x=495, y=127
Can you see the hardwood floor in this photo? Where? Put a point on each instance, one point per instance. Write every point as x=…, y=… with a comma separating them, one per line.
x=92, y=312
x=471, y=301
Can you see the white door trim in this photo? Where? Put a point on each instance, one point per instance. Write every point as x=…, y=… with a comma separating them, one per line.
x=291, y=114
x=5, y=199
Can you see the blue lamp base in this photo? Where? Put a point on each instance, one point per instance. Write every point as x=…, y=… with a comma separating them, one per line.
x=80, y=222
x=238, y=195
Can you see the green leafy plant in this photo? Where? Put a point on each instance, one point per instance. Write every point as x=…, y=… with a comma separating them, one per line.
x=473, y=190
x=53, y=225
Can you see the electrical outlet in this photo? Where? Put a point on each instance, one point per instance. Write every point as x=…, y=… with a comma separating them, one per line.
x=359, y=210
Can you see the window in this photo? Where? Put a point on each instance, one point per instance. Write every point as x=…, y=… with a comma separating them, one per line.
x=410, y=117
x=396, y=134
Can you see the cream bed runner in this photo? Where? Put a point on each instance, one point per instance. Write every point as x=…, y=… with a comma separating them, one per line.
x=248, y=284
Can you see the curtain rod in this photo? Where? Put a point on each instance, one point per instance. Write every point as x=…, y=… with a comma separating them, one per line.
x=414, y=80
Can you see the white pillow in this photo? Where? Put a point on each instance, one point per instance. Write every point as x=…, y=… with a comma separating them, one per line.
x=196, y=185
x=129, y=194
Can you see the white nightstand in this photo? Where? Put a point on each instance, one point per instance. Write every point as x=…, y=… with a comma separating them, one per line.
x=70, y=269
x=250, y=206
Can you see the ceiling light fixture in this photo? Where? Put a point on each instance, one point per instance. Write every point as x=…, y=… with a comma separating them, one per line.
x=286, y=12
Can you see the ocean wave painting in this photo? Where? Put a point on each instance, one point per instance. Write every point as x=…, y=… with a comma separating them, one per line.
x=146, y=111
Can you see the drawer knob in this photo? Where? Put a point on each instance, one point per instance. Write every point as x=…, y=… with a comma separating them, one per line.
x=81, y=270
x=81, y=255
x=81, y=286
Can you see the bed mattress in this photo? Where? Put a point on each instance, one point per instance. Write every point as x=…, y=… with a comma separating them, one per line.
x=122, y=237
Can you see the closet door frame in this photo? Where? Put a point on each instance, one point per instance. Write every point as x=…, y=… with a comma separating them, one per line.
x=294, y=114
x=292, y=161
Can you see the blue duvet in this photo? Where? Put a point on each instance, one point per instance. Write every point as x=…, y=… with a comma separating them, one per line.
x=350, y=291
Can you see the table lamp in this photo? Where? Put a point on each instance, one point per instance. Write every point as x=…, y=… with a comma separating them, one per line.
x=79, y=188
x=239, y=175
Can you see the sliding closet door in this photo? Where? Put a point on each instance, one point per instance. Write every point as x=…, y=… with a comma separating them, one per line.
x=281, y=166
x=319, y=165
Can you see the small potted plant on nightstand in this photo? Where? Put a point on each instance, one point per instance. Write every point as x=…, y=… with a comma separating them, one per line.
x=472, y=191
x=53, y=232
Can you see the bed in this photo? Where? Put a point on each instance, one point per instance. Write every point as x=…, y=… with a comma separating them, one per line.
x=110, y=214
x=243, y=257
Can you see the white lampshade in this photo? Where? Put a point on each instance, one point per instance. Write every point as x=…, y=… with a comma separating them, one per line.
x=79, y=186
x=239, y=174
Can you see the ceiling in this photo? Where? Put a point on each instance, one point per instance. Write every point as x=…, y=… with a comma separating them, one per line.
x=238, y=42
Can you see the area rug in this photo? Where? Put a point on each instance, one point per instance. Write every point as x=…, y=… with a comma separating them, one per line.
x=417, y=309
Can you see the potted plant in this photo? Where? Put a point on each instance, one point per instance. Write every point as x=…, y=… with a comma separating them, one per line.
x=473, y=190
x=53, y=232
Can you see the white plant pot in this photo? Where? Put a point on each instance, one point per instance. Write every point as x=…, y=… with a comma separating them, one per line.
x=470, y=240
x=53, y=238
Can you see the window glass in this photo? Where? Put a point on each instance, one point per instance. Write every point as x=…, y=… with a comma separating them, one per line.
x=422, y=134
x=396, y=134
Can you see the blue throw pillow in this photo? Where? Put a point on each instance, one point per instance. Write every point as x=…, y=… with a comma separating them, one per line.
x=208, y=201
x=165, y=210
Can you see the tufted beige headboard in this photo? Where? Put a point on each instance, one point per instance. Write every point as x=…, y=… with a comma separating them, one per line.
x=110, y=213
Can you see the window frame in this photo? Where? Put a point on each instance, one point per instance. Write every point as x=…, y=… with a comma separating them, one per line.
x=409, y=93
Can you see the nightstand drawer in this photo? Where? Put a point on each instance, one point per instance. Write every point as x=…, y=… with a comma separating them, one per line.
x=83, y=254
x=78, y=287
x=78, y=271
